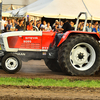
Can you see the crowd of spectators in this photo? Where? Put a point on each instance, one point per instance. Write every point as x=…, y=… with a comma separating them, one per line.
x=19, y=25
x=95, y=27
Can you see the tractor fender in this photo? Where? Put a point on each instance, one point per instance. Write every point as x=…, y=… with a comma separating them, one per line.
x=66, y=35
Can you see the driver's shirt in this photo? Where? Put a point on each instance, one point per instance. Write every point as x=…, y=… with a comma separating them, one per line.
x=66, y=27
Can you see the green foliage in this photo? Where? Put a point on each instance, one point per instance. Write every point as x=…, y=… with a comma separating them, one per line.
x=49, y=82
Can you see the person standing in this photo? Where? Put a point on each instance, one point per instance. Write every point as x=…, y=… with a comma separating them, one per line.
x=89, y=28
x=96, y=28
x=12, y=27
x=55, y=28
x=8, y=27
x=48, y=27
x=99, y=26
x=61, y=24
x=30, y=26
x=28, y=21
x=2, y=25
x=72, y=25
x=20, y=27
x=43, y=26
x=38, y=26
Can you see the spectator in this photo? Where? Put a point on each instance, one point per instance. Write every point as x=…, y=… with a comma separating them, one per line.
x=5, y=23
x=40, y=23
x=30, y=26
x=95, y=24
x=56, y=22
x=89, y=28
x=87, y=24
x=81, y=26
x=55, y=28
x=17, y=23
x=48, y=27
x=72, y=25
x=20, y=27
x=2, y=28
x=61, y=24
x=37, y=22
x=17, y=20
x=96, y=29
x=99, y=26
x=13, y=27
x=8, y=27
x=38, y=26
x=12, y=21
x=43, y=26
x=29, y=19
x=5, y=19
x=34, y=24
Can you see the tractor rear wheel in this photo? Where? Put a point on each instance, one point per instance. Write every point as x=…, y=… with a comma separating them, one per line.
x=79, y=55
x=53, y=65
x=11, y=63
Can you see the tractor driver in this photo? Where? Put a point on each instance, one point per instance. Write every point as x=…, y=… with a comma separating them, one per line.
x=66, y=27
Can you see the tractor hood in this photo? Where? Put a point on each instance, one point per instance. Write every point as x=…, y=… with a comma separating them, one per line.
x=21, y=33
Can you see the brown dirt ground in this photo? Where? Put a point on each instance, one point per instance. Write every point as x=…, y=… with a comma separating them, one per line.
x=34, y=69
x=48, y=93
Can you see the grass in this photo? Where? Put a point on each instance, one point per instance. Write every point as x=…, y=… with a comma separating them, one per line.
x=49, y=82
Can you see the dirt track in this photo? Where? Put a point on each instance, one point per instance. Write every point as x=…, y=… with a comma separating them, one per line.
x=48, y=93
x=33, y=69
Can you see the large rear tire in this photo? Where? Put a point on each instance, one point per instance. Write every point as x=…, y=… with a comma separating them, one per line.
x=80, y=55
x=53, y=65
x=11, y=63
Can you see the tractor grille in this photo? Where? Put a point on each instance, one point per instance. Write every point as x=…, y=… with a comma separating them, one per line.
x=30, y=45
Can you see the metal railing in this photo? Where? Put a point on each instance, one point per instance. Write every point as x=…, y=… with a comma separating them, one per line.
x=77, y=22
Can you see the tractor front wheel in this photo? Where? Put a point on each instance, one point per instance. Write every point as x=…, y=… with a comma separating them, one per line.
x=11, y=63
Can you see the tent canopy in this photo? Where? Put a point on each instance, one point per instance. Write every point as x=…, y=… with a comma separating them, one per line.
x=6, y=14
x=94, y=8
x=17, y=2
x=61, y=8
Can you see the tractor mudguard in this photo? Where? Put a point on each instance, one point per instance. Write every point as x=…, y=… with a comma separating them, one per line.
x=65, y=36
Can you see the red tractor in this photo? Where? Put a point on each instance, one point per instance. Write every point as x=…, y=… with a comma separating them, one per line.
x=77, y=53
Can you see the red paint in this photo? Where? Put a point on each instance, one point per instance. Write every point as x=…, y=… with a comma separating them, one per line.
x=47, y=38
x=39, y=42
x=65, y=36
x=32, y=42
x=25, y=42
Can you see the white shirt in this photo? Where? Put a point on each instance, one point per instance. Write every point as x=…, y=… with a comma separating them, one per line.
x=48, y=28
x=43, y=26
x=2, y=24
